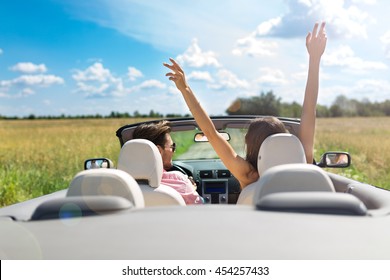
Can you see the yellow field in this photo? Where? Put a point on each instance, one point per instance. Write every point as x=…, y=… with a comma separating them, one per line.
x=366, y=139
x=40, y=156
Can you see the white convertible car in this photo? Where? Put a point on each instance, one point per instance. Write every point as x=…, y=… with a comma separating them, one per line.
x=118, y=208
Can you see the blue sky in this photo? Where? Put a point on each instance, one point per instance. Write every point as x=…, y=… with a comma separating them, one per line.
x=86, y=57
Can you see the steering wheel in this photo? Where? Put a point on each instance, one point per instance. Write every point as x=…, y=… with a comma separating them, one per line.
x=176, y=167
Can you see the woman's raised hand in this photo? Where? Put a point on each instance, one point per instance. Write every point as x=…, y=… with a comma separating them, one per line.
x=316, y=41
x=176, y=75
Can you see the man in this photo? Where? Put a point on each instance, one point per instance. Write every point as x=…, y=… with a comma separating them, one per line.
x=159, y=134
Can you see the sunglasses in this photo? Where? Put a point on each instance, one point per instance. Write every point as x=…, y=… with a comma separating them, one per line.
x=173, y=147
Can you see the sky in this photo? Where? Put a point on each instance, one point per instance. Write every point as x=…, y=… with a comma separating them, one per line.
x=79, y=57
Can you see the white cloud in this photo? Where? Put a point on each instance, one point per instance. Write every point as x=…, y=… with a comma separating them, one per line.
x=252, y=46
x=385, y=39
x=93, y=90
x=271, y=76
x=38, y=80
x=150, y=84
x=369, y=2
x=27, y=91
x=228, y=80
x=266, y=27
x=16, y=92
x=344, y=19
x=200, y=76
x=373, y=89
x=29, y=68
x=195, y=57
x=96, y=72
x=97, y=81
x=94, y=59
x=344, y=56
x=133, y=73
x=33, y=80
x=173, y=90
x=26, y=85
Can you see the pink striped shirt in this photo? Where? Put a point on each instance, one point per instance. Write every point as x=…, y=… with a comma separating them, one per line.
x=181, y=183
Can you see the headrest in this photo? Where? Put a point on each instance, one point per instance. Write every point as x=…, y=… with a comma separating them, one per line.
x=280, y=148
x=298, y=177
x=103, y=181
x=78, y=206
x=313, y=202
x=141, y=159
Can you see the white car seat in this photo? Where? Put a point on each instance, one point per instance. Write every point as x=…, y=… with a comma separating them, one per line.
x=280, y=148
x=93, y=192
x=141, y=159
x=303, y=188
x=110, y=182
x=296, y=177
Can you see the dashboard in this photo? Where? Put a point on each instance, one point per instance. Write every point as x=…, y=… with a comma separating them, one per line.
x=214, y=181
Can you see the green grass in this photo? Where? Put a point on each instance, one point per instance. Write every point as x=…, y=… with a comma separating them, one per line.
x=183, y=142
x=41, y=156
x=38, y=157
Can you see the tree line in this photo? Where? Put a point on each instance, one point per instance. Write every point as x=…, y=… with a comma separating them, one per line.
x=112, y=115
x=269, y=104
x=264, y=104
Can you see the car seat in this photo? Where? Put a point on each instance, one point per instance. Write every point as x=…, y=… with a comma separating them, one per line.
x=103, y=181
x=141, y=159
x=280, y=148
x=304, y=188
x=93, y=192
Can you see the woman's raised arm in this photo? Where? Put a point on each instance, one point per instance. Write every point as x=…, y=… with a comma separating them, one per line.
x=315, y=44
x=241, y=169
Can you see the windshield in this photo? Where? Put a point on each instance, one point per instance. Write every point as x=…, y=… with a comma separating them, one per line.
x=187, y=148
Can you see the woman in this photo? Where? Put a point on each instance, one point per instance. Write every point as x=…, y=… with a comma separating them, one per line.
x=245, y=170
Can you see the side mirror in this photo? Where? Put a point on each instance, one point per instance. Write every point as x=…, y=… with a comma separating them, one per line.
x=93, y=163
x=335, y=160
x=200, y=137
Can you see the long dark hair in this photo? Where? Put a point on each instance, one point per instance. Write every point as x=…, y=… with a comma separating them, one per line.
x=258, y=130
